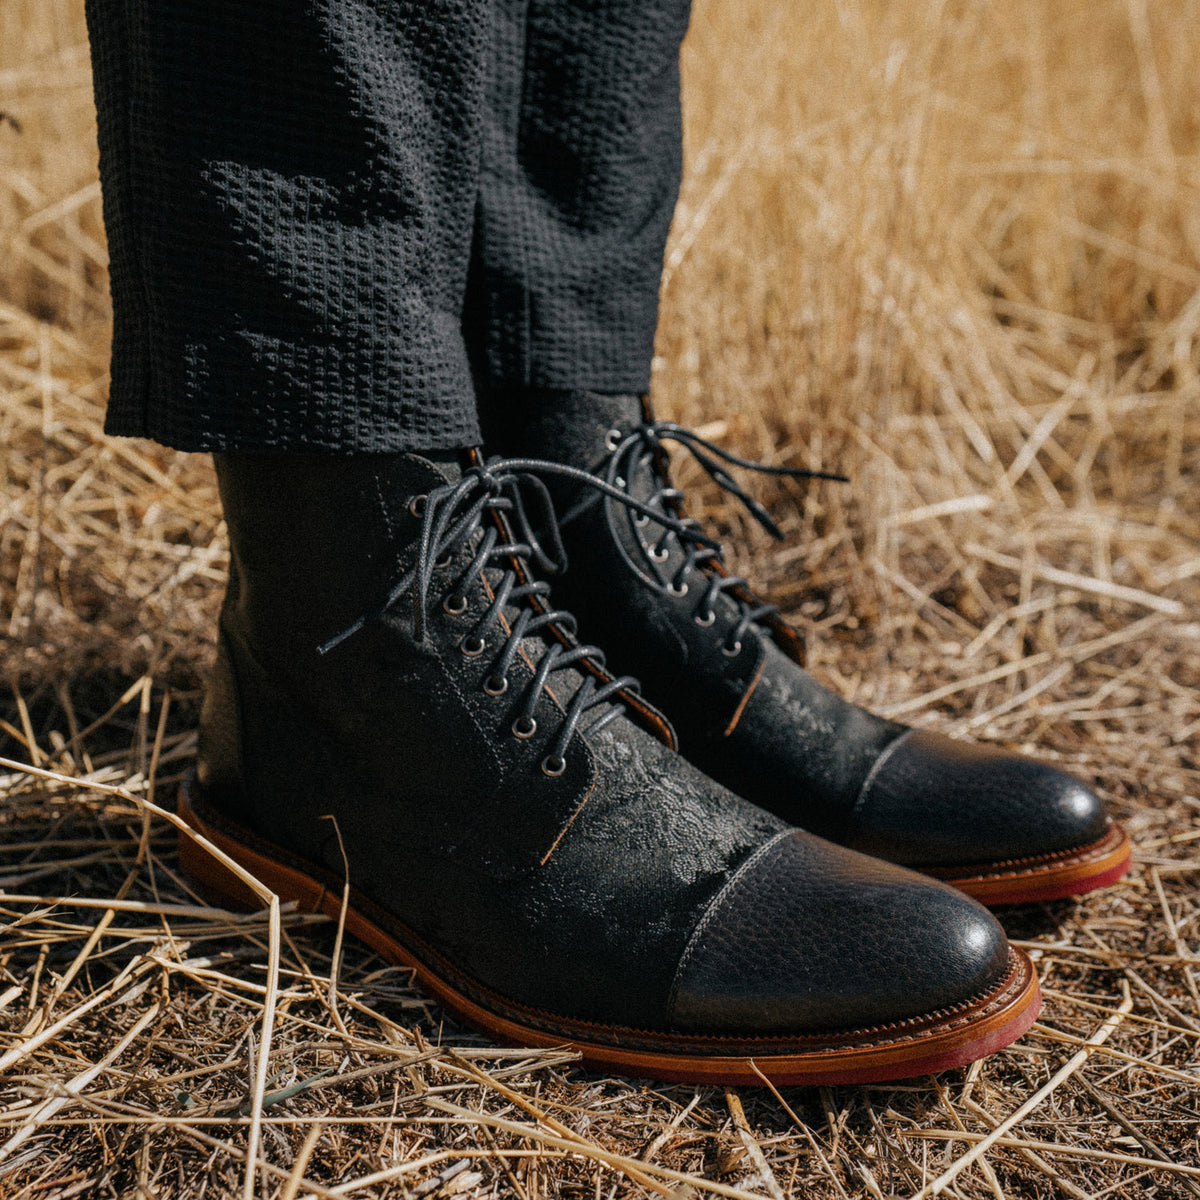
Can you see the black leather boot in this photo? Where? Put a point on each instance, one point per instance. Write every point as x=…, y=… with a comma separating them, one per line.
x=728, y=672
x=516, y=826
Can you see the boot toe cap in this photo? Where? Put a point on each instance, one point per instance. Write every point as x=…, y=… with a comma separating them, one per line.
x=810, y=937
x=932, y=800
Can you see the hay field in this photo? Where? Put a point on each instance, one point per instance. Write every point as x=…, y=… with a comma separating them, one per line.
x=949, y=248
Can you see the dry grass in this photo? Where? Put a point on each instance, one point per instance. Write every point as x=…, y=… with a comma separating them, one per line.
x=952, y=249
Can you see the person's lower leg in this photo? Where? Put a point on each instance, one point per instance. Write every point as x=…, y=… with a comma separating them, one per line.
x=515, y=825
x=289, y=194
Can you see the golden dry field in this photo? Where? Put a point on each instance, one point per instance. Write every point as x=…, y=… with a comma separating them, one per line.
x=948, y=247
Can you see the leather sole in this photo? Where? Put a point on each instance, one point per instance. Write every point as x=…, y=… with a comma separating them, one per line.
x=920, y=1045
x=1044, y=877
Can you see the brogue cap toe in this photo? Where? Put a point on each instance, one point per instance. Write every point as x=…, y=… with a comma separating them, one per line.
x=809, y=937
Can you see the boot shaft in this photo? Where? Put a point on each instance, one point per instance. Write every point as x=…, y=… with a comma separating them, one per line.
x=315, y=540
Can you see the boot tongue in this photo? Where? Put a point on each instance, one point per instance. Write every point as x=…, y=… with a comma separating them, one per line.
x=565, y=680
x=583, y=429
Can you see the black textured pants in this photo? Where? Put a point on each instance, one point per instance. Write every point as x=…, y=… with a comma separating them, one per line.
x=333, y=223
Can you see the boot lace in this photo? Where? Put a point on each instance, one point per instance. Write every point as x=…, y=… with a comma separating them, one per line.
x=464, y=513
x=638, y=458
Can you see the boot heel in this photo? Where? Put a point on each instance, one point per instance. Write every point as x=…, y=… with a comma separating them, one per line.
x=212, y=880
x=210, y=877
x=219, y=885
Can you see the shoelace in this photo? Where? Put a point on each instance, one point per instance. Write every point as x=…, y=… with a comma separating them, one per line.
x=642, y=449
x=451, y=516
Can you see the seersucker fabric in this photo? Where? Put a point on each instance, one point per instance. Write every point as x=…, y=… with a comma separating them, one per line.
x=333, y=222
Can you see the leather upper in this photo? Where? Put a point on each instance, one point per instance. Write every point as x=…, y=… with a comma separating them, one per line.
x=447, y=817
x=863, y=943
x=577, y=892
x=748, y=714
x=1008, y=806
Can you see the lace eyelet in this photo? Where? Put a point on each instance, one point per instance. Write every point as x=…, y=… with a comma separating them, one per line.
x=681, y=590
x=495, y=685
x=455, y=604
x=416, y=506
x=659, y=555
x=553, y=765
x=524, y=727
x=612, y=440
x=731, y=651
x=472, y=645
x=704, y=620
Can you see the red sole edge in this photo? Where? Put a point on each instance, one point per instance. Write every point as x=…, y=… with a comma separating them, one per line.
x=1072, y=873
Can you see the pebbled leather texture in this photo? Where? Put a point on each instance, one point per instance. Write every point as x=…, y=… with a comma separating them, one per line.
x=1005, y=800
x=915, y=949
x=759, y=723
x=576, y=894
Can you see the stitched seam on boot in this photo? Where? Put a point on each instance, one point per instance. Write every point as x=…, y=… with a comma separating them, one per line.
x=562, y=833
x=873, y=773
x=1052, y=860
x=710, y=913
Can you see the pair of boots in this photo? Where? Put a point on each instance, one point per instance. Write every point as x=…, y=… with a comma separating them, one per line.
x=561, y=859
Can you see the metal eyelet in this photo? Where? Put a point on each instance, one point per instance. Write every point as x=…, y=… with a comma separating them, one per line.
x=619, y=481
x=524, y=727
x=472, y=645
x=640, y=520
x=443, y=563
x=681, y=590
x=704, y=620
x=553, y=765
x=416, y=506
x=455, y=604
x=612, y=440
x=659, y=555
x=731, y=651
x=495, y=685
